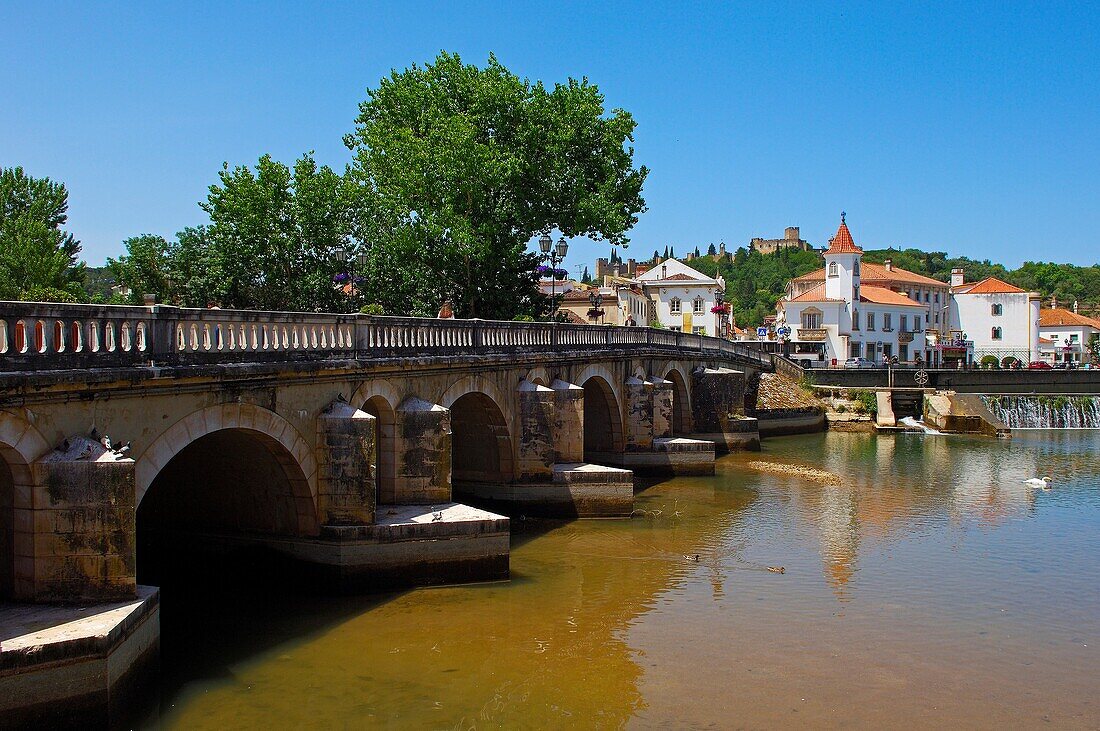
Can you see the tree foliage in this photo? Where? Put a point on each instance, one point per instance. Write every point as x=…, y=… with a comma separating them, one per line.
x=755, y=281
x=458, y=167
x=1067, y=282
x=38, y=258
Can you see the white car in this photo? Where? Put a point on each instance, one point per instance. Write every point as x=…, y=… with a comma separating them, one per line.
x=858, y=363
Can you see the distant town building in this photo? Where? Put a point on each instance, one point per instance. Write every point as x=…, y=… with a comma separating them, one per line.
x=850, y=309
x=790, y=240
x=1000, y=319
x=1064, y=335
x=682, y=298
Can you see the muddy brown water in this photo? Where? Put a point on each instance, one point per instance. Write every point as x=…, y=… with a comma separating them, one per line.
x=931, y=588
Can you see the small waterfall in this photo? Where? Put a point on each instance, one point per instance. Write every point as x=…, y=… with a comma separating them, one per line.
x=916, y=424
x=1046, y=412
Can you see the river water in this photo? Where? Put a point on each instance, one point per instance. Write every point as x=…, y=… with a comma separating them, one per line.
x=924, y=585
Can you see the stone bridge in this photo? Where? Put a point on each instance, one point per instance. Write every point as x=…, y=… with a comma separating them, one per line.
x=338, y=442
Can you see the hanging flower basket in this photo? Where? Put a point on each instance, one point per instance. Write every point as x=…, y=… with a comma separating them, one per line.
x=594, y=314
x=341, y=278
x=720, y=309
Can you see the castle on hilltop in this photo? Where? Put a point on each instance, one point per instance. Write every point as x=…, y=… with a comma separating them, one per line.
x=790, y=240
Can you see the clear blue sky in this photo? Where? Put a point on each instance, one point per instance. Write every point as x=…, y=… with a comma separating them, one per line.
x=971, y=128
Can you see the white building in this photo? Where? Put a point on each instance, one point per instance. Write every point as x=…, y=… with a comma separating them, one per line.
x=999, y=319
x=850, y=309
x=852, y=315
x=681, y=298
x=1064, y=336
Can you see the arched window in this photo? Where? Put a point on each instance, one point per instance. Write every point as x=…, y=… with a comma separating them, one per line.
x=674, y=305
x=697, y=306
x=996, y=310
x=832, y=269
x=996, y=333
x=855, y=270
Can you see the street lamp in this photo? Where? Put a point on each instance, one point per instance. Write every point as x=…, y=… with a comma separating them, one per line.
x=596, y=300
x=555, y=254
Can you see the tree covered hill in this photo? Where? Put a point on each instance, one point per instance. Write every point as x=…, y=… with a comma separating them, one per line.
x=1067, y=282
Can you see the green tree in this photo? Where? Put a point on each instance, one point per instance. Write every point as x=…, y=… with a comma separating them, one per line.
x=712, y=251
x=277, y=238
x=459, y=167
x=145, y=268
x=38, y=259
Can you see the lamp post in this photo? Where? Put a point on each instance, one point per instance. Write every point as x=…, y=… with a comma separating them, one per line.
x=555, y=254
x=595, y=299
x=723, y=313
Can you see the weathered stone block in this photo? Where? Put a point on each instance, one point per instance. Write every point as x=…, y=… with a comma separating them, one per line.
x=423, y=446
x=535, y=450
x=639, y=415
x=89, y=493
x=718, y=398
x=568, y=425
x=663, y=393
x=346, y=449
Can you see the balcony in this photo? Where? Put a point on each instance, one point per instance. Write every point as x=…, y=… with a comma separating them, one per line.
x=905, y=336
x=812, y=334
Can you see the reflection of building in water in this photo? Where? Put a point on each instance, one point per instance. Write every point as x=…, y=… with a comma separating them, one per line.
x=895, y=486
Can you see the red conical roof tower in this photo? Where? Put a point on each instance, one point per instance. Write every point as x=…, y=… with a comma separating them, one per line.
x=842, y=243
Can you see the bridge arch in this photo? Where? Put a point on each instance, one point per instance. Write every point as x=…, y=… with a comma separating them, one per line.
x=603, y=420
x=20, y=445
x=681, y=402
x=481, y=442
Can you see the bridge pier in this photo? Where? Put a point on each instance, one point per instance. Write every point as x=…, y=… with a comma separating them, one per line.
x=718, y=409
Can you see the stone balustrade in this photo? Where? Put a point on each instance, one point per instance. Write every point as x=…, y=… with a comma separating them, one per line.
x=38, y=336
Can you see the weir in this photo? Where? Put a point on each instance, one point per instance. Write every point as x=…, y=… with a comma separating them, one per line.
x=1045, y=411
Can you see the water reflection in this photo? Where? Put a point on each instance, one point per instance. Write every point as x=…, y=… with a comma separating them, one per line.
x=931, y=585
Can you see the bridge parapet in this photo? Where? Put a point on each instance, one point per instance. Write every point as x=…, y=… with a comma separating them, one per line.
x=37, y=336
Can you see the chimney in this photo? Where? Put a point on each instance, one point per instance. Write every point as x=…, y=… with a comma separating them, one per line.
x=664, y=271
x=1053, y=302
x=889, y=264
x=1075, y=307
x=957, y=277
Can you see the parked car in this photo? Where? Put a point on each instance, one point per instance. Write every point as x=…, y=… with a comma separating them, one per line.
x=1038, y=365
x=858, y=363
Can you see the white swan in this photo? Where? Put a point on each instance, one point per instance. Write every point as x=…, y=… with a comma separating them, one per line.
x=1043, y=482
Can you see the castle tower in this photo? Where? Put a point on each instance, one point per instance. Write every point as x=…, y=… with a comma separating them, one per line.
x=842, y=266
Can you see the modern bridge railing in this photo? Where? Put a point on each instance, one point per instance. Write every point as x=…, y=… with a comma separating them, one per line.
x=44, y=336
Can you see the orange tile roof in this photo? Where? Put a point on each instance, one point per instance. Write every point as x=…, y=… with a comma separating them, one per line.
x=1063, y=318
x=870, y=272
x=681, y=277
x=817, y=294
x=883, y=296
x=992, y=285
x=842, y=243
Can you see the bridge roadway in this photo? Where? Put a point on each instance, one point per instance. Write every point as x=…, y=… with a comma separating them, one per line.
x=338, y=443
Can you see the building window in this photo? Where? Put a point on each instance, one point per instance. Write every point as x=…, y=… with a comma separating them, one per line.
x=697, y=306
x=855, y=271
x=675, y=328
x=926, y=296
x=870, y=321
x=857, y=350
x=699, y=330
x=832, y=269
x=811, y=320
x=887, y=322
x=905, y=323
x=855, y=320
x=996, y=310
x=996, y=334
x=936, y=298
x=674, y=305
